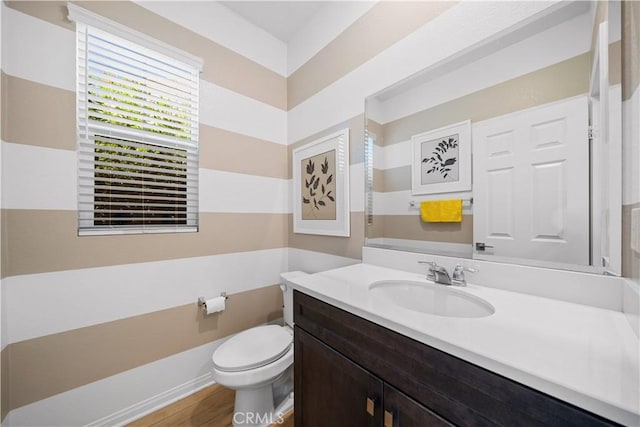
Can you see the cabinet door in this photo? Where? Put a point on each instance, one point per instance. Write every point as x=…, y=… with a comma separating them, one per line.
x=402, y=411
x=331, y=390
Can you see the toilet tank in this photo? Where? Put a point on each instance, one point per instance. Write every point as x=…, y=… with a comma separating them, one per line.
x=287, y=294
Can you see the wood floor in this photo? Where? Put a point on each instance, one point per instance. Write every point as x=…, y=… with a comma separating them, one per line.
x=211, y=407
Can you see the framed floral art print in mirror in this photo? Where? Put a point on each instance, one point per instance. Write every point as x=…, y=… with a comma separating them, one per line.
x=321, y=186
x=442, y=160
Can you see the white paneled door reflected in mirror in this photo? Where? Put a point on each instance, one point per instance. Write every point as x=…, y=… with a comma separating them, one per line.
x=544, y=105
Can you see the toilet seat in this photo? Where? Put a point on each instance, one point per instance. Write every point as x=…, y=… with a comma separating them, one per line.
x=253, y=348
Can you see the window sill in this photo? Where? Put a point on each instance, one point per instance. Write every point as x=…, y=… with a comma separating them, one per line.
x=110, y=232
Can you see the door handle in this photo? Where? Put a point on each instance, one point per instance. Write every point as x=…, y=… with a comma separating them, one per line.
x=371, y=404
x=388, y=419
x=480, y=246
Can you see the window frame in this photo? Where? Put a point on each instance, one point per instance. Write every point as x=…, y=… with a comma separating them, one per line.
x=85, y=22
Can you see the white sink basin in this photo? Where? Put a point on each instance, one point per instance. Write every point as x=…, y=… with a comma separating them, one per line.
x=436, y=299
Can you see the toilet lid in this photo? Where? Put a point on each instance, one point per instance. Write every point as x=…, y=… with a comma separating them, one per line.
x=252, y=348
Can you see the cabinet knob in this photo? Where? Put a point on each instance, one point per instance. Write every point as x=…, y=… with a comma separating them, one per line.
x=371, y=403
x=388, y=419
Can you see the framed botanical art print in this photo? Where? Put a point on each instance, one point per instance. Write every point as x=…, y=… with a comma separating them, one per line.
x=321, y=186
x=442, y=160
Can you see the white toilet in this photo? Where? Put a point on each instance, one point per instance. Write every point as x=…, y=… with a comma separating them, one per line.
x=252, y=361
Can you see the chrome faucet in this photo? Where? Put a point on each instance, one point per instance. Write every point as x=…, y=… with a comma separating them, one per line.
x=439, y=274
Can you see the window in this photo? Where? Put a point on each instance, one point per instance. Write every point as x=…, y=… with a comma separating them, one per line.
x=369, y=143
x=137, y=137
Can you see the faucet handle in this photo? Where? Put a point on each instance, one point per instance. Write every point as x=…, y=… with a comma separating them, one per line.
x=431, y=272
x=458, y=273
x=460, y=268
x=432, y=264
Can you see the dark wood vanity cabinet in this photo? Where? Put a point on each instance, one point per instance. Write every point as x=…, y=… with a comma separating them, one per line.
x=336, y=391
x=352, y=372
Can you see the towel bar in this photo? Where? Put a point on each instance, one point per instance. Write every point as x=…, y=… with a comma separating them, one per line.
x=414, y=204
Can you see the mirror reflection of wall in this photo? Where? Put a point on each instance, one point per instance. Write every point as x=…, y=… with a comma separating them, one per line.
x=529, y=96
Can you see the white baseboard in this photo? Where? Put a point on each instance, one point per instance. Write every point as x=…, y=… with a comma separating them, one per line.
x=147, y=406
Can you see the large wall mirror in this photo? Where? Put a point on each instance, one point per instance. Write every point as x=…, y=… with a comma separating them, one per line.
x=523, y=132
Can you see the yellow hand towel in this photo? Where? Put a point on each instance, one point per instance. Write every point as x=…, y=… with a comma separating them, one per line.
x=441, y=210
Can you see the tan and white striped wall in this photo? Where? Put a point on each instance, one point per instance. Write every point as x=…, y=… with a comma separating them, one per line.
x=115, y=316
x=102, y=329
x=630, y=135
x=108, y=326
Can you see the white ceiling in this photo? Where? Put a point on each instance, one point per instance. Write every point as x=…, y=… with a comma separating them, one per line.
x=282, y=19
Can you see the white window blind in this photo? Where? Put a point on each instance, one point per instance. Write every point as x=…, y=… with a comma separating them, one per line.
x=137, y=137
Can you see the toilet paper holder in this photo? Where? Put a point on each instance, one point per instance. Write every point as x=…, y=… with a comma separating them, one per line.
x=201, y=300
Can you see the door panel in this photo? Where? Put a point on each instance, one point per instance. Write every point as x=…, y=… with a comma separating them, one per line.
x=548, y=197
x=330, y=389
x=500, y=195
x=531, y=184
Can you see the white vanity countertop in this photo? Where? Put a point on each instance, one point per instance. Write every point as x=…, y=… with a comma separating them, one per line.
x=580, y=354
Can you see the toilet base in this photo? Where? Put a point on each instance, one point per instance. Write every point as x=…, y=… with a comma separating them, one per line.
x=254, y=407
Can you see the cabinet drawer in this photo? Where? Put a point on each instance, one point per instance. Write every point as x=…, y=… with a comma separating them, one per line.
x=458, y=391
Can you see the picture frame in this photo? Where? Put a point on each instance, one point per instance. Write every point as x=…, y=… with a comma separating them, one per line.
x=321, y=186
x=441, y=160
